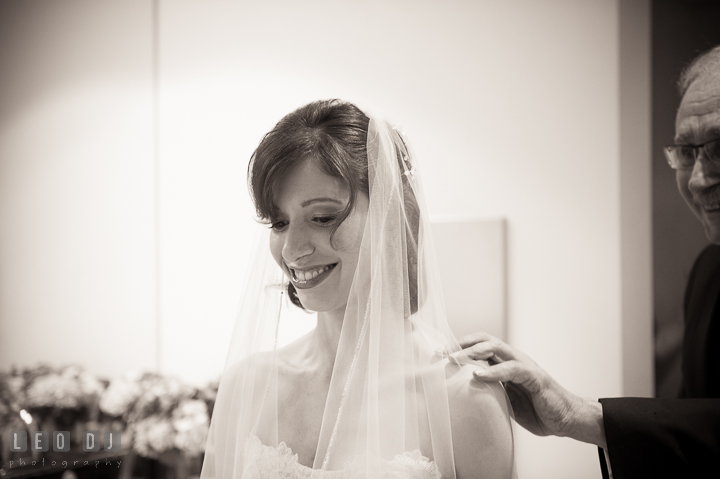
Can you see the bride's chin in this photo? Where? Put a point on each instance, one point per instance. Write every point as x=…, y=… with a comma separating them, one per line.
x=316, y=305
x=320, y=303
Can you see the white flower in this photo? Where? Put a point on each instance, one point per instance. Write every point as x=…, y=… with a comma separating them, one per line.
x=160, y=395
x=85, y=382
x=174, y=392
x=192, y=408
x=72, y=371
x=68, y=388
x=119, y=395
x=152, y=436
x=15, y=384
x=89, y=385
x=53, y=390
x=15, y=396
x=191, y=422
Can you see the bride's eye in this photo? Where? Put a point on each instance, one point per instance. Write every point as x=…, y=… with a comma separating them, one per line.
x=325, y=220
x=278, y=225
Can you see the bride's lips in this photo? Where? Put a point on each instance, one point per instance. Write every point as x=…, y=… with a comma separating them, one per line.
x=309, y=277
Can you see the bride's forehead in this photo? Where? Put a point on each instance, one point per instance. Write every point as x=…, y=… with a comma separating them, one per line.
x=307, y=181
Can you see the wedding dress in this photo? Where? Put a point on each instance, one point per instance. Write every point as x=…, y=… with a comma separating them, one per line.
x=390, y=412
x=279, y=462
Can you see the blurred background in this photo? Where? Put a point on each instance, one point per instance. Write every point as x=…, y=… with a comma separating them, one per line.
x=126, y=128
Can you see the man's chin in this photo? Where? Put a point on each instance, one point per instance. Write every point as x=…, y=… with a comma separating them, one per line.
x=712, y=229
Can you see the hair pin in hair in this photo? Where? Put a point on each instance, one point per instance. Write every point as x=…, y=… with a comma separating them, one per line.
x=407, y=166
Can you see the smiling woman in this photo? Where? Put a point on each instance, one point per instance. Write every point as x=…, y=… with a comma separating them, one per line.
x=312, y=141
x=364, y=394
x=310, y=204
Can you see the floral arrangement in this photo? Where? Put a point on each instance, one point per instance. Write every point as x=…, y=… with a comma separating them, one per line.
x=161, y=413
x=49, y=396
x=158, y=414
x=66, y=388
x=12, y=395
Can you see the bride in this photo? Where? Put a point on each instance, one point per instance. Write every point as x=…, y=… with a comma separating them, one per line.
x=363, y=394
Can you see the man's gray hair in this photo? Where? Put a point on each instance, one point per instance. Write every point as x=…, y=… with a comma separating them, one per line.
x=708, y=62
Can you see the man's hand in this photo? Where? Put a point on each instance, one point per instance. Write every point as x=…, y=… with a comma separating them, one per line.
x=540, y=404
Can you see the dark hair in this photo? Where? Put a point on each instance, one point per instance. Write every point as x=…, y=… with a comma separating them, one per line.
x=333, y=133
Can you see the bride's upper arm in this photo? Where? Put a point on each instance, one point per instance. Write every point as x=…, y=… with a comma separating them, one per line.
x=481, y=427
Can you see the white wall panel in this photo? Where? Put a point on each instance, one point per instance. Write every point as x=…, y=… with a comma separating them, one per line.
x=76, y=185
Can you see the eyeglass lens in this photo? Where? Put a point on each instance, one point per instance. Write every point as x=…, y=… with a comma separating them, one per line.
x=687, y=154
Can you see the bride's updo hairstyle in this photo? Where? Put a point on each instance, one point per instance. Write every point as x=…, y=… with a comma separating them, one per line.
x=334, y=134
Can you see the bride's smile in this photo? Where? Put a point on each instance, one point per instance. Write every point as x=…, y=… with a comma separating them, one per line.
x=305, y=278
x=317, y=252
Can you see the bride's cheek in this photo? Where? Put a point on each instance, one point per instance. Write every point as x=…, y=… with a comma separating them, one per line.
x=276, y=249
x=346, y=238
x=349, y=234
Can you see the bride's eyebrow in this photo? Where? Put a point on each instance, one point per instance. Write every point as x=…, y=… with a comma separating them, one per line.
x=320, y=200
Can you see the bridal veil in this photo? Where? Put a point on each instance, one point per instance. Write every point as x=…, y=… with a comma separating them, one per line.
x=388, y=399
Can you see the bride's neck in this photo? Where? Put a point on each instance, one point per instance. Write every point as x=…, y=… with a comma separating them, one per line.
x=327, y=334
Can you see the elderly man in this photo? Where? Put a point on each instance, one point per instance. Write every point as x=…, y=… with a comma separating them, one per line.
x=648, y=437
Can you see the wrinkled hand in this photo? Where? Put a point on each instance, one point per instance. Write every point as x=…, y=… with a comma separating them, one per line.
x=540, y=404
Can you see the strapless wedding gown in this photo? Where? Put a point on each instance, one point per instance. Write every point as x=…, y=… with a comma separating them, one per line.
x=265, y=462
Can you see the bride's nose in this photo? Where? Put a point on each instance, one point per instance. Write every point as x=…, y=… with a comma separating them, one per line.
x=298, y=243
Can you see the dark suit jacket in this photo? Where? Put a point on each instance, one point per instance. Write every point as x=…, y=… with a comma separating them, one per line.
x=678, y=438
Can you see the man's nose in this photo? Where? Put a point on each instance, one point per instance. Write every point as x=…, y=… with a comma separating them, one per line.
x=298, y=243
x=705, y=173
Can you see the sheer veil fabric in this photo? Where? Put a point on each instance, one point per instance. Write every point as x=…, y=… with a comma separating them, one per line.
x=389, y=407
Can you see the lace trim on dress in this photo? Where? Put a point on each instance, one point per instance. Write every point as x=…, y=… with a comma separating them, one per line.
x=266, y=462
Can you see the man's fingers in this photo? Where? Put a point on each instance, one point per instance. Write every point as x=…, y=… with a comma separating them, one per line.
x=467, y=356
x=510, y=371
x=493, y=350
x=495, y=373
x=474, y=338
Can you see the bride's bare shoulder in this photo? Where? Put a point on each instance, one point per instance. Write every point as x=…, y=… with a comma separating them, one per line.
x=262, y=361
x=465, y=391
x=480, y=420
x=256, y=364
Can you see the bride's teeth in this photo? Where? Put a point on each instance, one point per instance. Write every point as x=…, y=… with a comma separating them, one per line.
x=303, y=276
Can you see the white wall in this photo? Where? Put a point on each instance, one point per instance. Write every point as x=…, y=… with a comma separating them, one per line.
x=513, y=107
x=76, y=185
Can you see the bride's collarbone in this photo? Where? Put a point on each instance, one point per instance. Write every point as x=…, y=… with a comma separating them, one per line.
x=302, y=393
x=300, y=415
x=303, y=389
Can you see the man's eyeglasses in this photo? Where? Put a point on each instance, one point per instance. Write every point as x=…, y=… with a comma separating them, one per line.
x=682, y=157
